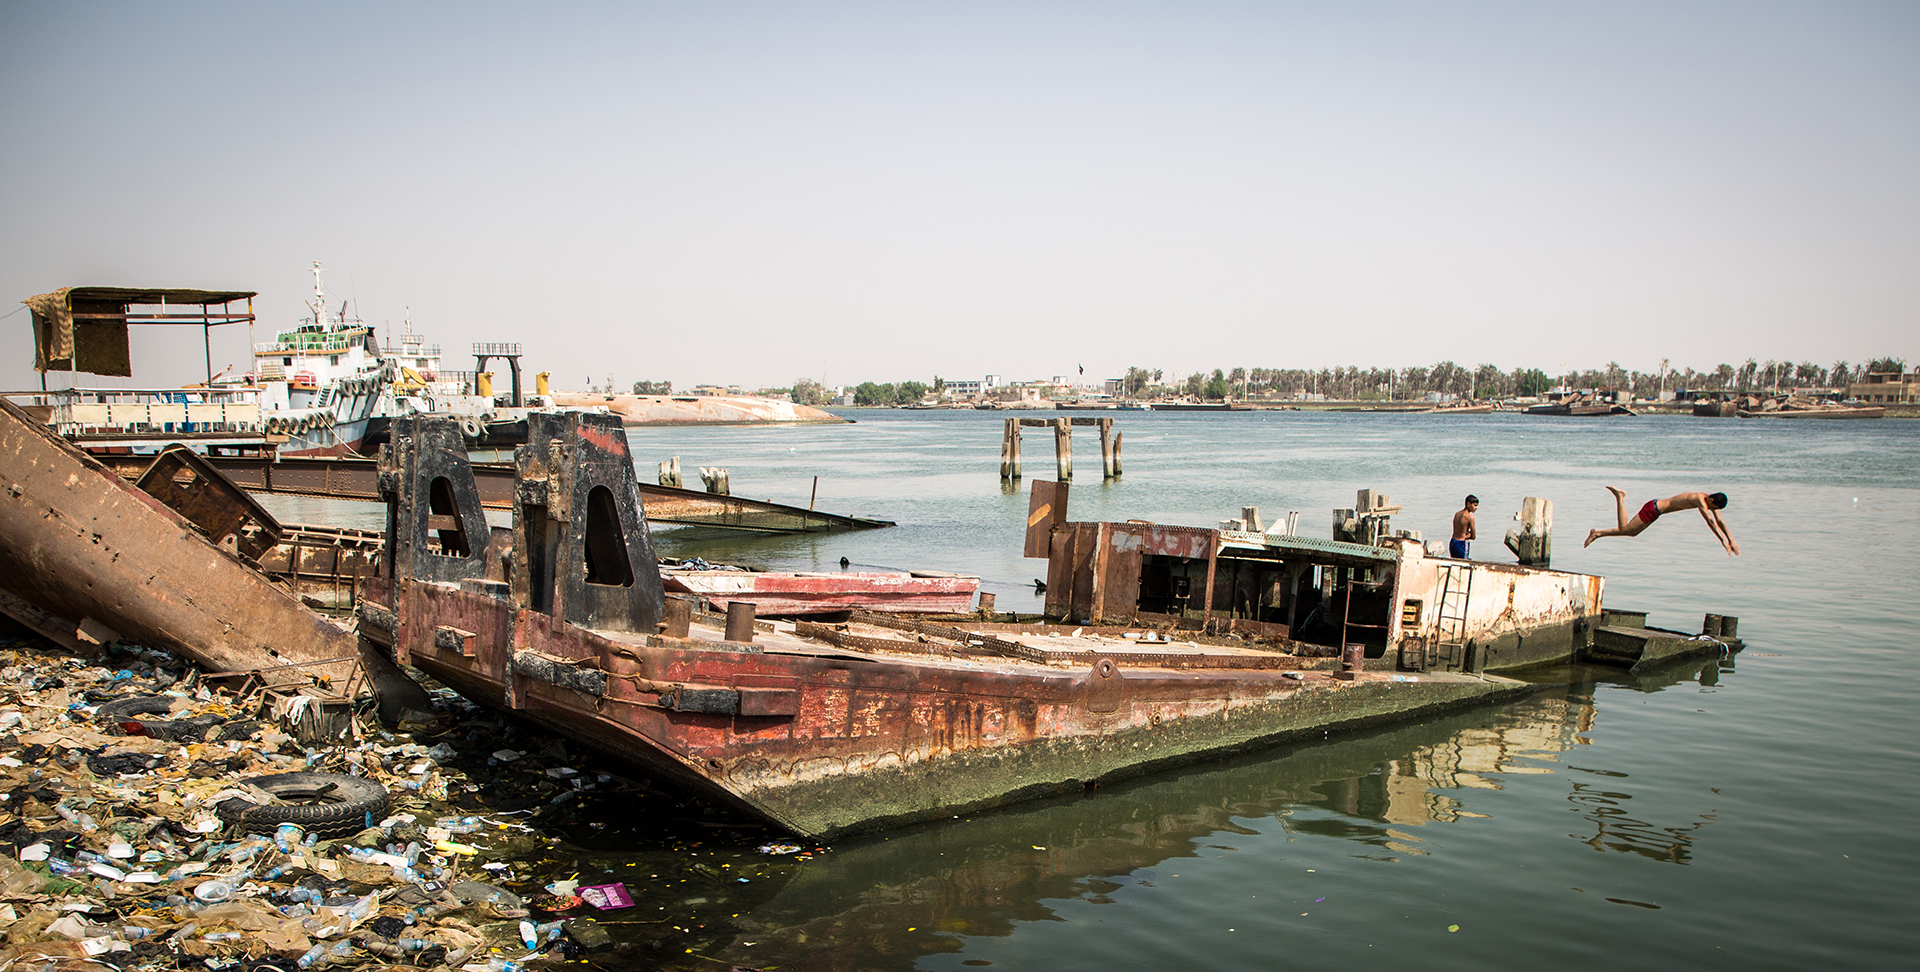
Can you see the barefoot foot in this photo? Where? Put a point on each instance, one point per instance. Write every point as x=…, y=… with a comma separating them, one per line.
x=1592, y=535
x=1617, y=493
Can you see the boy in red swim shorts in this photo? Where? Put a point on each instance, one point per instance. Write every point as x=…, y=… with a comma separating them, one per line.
x=1709, y=505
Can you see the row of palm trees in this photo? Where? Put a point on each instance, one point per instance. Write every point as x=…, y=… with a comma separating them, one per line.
x=1488, y=381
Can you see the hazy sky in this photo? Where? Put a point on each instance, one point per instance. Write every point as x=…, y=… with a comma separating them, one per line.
x=746, y=192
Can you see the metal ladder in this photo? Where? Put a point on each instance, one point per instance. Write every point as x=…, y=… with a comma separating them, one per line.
x=1450, y=624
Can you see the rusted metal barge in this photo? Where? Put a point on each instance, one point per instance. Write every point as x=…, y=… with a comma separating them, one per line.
x=824, y=728
x=1374, y=592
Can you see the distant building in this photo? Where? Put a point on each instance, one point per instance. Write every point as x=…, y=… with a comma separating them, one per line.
x=718, y=390
x=964, y=389
x=1886, y=388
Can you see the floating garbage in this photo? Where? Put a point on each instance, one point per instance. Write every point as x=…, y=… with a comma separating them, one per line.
x=607, y=897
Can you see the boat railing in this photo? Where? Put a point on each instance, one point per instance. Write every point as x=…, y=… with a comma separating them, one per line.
x=310, y=341
x=410, y=351
x=77, y=411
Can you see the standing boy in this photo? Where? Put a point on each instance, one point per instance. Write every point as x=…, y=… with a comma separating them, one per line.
x=1463, y=528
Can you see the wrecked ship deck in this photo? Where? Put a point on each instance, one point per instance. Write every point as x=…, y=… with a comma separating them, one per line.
x=826, y=729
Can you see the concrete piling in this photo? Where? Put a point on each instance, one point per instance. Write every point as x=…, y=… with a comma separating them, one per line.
x=1063, y=449
x=670, y=472
x=1010, y=451
x=715, y=479
x=1109, y=459
x=1062, y=446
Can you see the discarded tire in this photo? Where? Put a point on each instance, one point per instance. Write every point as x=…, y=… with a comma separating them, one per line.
x=327, y=804
x=123, y=710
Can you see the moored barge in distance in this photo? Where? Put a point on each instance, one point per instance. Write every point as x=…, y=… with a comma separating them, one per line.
x=826, y=729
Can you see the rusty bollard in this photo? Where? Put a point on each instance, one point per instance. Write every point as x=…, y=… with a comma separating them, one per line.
x=679, y=618
x=740, y=621
x=1354, y=657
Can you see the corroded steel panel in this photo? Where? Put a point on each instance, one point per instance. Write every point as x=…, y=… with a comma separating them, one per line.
x=80, y=542
x=1046, y=512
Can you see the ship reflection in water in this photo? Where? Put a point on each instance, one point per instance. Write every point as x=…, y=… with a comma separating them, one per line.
x=881, y=902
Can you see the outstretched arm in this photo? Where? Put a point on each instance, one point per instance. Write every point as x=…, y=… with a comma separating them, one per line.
x=1719, y=528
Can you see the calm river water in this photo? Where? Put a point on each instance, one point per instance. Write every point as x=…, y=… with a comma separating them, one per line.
x=1757, y=813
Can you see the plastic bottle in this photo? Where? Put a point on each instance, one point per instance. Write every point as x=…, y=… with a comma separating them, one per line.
x=503, y=965
x=313, y=955
x=460, y=825
x=75, y=818
x=359, y=910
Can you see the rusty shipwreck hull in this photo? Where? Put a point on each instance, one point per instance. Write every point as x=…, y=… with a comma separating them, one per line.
x=824, y=729
x=81, y=545
x=1406, y=610
x=829, y=741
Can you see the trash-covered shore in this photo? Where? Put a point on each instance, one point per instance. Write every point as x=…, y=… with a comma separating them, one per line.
x=157, y=817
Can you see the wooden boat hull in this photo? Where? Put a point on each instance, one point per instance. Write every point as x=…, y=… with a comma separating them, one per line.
x=780, y=594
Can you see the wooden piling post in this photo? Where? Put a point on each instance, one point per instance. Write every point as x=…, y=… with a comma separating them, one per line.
x=715, y=478
x=670, y=472
x=1063, y=449
x=1116, y=455
x=1107, y=468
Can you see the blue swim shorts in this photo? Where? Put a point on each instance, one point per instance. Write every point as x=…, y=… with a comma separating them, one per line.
x=1457, y=549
